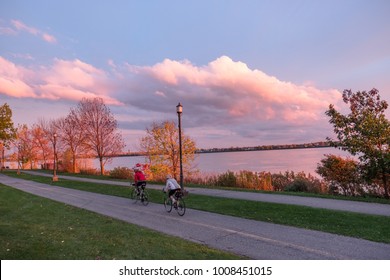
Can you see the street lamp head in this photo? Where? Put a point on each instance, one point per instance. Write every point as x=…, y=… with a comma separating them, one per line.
x=179, y=108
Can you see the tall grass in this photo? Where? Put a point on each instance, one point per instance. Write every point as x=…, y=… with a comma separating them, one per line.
x=265, y=181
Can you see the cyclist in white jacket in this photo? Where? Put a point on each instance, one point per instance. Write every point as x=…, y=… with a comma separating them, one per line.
x=172, y=186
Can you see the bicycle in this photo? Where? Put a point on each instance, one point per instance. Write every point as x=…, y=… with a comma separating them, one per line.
x=140, y=193
x=179, y=205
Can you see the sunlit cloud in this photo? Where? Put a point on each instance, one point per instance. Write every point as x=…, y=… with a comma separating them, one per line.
x=224, y=97
x=7, y=31
x=229, y=90
x=69, y=80
x=49, y=38
x=19, y=26
x=14, y=80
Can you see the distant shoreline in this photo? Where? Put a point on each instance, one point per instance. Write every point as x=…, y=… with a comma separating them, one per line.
x=248, y=149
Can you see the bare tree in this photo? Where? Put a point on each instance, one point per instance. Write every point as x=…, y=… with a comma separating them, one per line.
x=51, y=133
x=40, y=143
x=100, y=128
x=73, y=136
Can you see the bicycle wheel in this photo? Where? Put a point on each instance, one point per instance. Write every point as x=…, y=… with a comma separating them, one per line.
x=181, y=207
x=145, y=197
x=168, y=204
x=133, y=194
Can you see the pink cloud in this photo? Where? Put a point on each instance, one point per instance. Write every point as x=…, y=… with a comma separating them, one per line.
x=224, y=86
x=71, y=80
x=49, y=38
x=23, y=27
x=13, y=80
x=224, y=95
x=7, y=31
x=75, y=73
x=20, y=26
x=236, y=90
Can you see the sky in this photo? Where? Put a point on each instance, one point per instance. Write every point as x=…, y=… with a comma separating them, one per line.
x=247, y=72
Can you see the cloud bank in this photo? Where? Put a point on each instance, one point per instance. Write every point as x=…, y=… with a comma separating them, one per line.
x=224, y=97
x=230, y=88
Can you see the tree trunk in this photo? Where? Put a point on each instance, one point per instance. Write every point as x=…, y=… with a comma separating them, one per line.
x=385, y=184
x=74, y=164
x=101, y=166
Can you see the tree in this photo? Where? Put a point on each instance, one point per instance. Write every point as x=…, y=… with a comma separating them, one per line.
x=41, y=142
x=365, y=132
x=100, y=128
x=73, y=136
x=25, y=146
x=340, y=173
x=7, y=130
x=51, y=138
x=161, y=144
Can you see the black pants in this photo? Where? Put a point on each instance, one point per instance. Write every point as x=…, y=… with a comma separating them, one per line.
x=141, y=184
x=172, y=192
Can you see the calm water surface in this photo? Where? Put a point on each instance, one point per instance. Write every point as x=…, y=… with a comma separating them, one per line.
x=273, y=161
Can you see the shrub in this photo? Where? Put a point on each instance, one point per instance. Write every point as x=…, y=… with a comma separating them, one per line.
x=122, y=173
x=279, y=182
x=298, y=185
x=227, y=179
x=342, y=175
x=89, y=171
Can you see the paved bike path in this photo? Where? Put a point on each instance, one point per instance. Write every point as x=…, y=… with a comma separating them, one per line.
x=333, y=204
x=256, y=240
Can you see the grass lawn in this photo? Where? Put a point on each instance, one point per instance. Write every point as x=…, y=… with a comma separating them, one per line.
x=370, y=227
x=34, y=228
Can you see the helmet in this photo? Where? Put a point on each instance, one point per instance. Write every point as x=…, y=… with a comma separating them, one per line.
x=137, y=167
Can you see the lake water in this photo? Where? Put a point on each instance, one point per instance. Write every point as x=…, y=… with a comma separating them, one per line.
x=273, y=161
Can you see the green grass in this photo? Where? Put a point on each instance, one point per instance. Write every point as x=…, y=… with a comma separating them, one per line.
x=32, y=227
x=370, y=227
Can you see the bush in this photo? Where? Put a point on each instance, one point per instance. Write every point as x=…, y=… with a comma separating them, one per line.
x=89, y=171
x=122, y=173
x=227, y=179
x=341, y=174
x=298, y=185
x=279, y=182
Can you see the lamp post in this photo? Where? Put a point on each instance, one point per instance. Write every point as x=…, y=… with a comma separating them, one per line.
x=55, y=178
x=179, y=110
x=18, y=159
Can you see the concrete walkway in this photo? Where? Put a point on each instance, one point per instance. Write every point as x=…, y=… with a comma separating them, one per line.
x=253, y=239
x=333, y=204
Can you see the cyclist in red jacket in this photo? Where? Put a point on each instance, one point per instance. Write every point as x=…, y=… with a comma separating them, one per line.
x=139, y=177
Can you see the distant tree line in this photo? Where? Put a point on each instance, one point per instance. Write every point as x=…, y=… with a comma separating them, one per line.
x=322, y=144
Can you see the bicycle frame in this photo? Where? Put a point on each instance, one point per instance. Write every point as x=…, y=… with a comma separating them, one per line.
x=140, y=193
x=180, y=204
